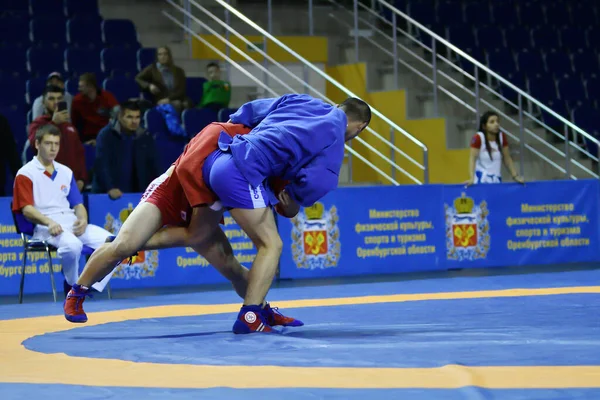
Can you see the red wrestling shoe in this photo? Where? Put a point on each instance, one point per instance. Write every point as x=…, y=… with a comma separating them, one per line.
x=73, y=305
x=275, y=318
x=250, y=320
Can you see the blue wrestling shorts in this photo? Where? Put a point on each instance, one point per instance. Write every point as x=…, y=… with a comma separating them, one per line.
x=223, y=177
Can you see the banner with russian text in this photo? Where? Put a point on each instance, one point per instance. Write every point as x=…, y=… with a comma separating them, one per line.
x=368, y=230
x=170, y=267
x=512, y=225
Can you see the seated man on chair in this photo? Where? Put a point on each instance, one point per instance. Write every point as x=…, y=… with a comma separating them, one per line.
x=46, y=193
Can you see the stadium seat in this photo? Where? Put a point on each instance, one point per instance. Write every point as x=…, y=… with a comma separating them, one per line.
x=123, y=88
x=48, y=32
x=478, y=12
x=559, y=63
x=119, y=33
x=145, y=57
x=79, y=61
x=42, y=61
x=16, y=64
x=123, y=60
x=170, y=147
x=47, y=8
x=84, y=33
x=34, y=88
x=194, y=88
x=195, y=119
x=545, y=38
x=81, y=8
x=14, y=31
x=490, y=37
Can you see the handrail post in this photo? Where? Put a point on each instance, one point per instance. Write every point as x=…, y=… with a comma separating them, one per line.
x=350, y=163
x=477, y=113
x=305, y=79
x=567, y=158
x=227, y=50
x=393, y=153
x=425, y=166
x=188, y=24
x=521, y=138
x=435, y=83
x=356, y=30
x=311, y=26
x=270, y=30
x=395, y=35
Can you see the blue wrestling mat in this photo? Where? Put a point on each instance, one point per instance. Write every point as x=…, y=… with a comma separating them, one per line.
x=523, y=336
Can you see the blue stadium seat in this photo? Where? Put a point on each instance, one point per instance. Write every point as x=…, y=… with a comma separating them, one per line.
x=530, y=14
x=14, y=31
x=478, y=12
x=47, y=8
x=34, y=88
x=145, y=57
x=543, y=88
x=462, y=36
x=423, y=12
x=545, y=38
x=573, y=37
x=558, y=14
x=571, y=89
x=84, y=33
x=196, y=119
x=592, y=38
x=224, y=114
x=559, y=63
x=505, y=13
x=502, y=61
x=585, y=62
x=450, y=12
x=48, y=31
x=120, y=33
x=490, y=37
x=518, y=37
x=518, y=80
x=559, y=107
x=530, y=62
x=123, y=88
x=16, y=117
x=16, y=64
x=194, y=88
x=170, y=147
x=42, y=61
x=586, y=118
x=583, y=13
x=85, y=8
x=14, y=8
x=592, y=84
x=79, y=61
x=477, y=53
x=124, y=60
x=72, y=85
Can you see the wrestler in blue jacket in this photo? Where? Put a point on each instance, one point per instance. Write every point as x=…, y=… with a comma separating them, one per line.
x=298, y=138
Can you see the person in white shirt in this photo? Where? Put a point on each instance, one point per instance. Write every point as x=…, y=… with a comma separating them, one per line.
x=46, y=192
x=489, y=149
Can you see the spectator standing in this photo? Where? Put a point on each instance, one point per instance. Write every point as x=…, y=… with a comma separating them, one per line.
x=489, y=149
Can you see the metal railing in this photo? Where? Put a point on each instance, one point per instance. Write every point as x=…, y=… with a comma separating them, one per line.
x=267, y=75
x=432, y=60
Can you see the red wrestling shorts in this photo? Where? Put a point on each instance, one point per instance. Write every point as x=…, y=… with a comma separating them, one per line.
x=166, y=193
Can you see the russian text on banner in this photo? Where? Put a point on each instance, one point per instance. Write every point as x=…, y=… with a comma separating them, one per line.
x=359, y=231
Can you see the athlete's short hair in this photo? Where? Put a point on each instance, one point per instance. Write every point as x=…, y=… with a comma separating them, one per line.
x=356, y=110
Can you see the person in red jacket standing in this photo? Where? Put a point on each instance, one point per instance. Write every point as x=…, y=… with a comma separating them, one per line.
x=71, y=153
x=91, y=109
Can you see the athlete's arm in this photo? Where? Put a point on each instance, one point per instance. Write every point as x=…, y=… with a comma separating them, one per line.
x=318, y=177
x=252, y=113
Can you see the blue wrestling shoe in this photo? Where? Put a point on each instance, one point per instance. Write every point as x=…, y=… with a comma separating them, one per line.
x=275, y=318
x=251, y=319
x=73, y=305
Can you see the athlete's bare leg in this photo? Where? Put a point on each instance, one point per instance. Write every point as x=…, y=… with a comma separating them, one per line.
x=259, y=225
x=141, y=224
x=218, y=252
